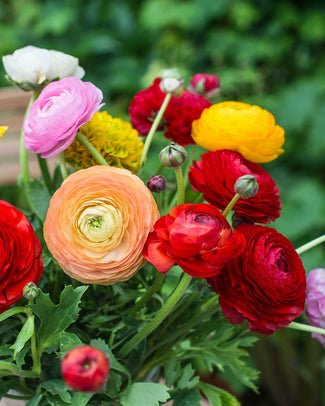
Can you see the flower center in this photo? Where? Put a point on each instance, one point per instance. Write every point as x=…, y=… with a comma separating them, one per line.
x=100, y=223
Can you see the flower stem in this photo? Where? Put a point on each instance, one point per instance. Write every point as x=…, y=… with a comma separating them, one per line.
x=160, y=317
x=231, y=204
x=154, y=288
x=63, y=168
x=35, y=356
x=180, y=185
x=45, y=172
x=91, y=149
x=154, y=127
x=310, y=244
x=306, y=327
x=22, y=151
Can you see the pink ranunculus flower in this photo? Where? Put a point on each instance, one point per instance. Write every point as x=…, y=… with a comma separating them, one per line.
x=315, y=300
x=60, y=110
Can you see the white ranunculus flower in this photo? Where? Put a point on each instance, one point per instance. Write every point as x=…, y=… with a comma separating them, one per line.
x=36, y=65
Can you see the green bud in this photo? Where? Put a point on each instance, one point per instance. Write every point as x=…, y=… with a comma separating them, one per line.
x=173, y=155
x=170, y=73
x=246, y=186
x=172, y=85
x=30, y=291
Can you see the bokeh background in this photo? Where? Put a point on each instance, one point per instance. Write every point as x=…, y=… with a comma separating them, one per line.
x=265, y=52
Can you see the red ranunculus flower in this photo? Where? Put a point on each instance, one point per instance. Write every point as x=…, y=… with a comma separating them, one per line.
x=197, y=237
x=215, y=177
x=266, y=284
x=85, y=369
x=178, y=117
x=20, y=255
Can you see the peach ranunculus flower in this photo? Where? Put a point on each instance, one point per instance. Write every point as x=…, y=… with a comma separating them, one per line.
x=239, y=127
x=97, y=224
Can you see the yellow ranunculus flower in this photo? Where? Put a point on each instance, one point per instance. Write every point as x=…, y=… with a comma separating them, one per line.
x=113, y=138
x=240, y=127
x=3, y=130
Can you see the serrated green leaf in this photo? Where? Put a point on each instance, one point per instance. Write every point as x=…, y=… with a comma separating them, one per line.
x=144, y=394
x=7, y=368
x=24, y=335
x=38, y=197
x=81, y=398
x=187, y=381
x=56, y=318
x=57, y=388
x=190, y=397
x=217, y=396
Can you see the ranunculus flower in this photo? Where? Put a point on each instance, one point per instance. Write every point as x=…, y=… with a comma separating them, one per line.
x=240, y=127
x=266, y=284
x=197, y=237
x=60, y=110
x=85, y=369
x=215, y=176
x=3, y=129
x=98, y=222
x=205, y=84
x=315, y=300
x=20, y=255
x=178, y=117
x=37, y=65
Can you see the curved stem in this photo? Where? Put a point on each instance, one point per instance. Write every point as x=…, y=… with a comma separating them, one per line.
x=45, y=172
x=310, y=244
x=180, y=185
x=63, y=168
x=231, y=204
x=91, y=149
x=154, y=288
x=306, y=327
x=35, y=355
x=154, y=127
x=160, y=317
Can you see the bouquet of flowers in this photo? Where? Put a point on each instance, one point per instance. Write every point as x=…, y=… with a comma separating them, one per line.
x=139, y=260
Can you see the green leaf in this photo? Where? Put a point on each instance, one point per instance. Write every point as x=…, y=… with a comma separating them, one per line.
x=39, y=198
x=57, y=388
x=144, y=394
x=187, y=381
x=81, y=398
x=11, y=312
x=7, y=368
x=35, y=401
x=56, y=318
x=217, y=396
x=186, y=397
x=24, y=335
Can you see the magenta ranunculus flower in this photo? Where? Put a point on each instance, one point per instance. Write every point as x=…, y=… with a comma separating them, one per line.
x=60, y=110
x=315, y=300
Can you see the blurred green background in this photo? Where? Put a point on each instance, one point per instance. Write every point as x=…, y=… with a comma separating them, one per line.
x=265, y=52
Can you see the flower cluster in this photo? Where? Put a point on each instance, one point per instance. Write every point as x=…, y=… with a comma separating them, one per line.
x=100, y=223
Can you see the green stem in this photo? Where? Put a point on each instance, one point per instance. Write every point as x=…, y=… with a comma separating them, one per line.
x=16, y=397
x=154, y=288
x=154, y=127
x=45, y=172
x=35, y=355
x=91, y=149
x=160, y=317
x=63, y=168
x=231, y=205
x=22, y=151
x=306, y=327
x=310, y=244
x=180, y=185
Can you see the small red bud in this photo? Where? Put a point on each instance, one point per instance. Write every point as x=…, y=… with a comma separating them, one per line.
x=85, y=369
x=205, y=84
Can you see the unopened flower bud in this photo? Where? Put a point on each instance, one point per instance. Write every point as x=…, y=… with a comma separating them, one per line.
x=85, y=369
x=30, y=291
x=246, y=186
x=315, y=300
x=173, y=155
x=172, y=85
x=205, y=84
x=170, y=73
x=156, y=184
